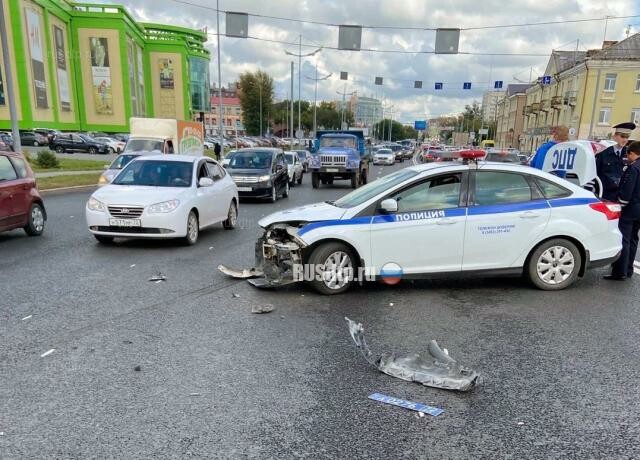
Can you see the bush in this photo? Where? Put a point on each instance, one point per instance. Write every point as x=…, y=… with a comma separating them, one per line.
x=47, y=160
x=27, y=157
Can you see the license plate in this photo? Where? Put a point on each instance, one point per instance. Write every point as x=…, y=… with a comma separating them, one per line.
x=125, y=223
x=245, y=189
x=332, y=170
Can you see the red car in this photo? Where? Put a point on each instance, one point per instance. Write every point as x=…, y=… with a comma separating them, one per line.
x=21, y=205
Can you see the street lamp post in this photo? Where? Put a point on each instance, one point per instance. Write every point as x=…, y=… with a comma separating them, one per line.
x=315, y=96
x=220, y=134
x=342, y=111
x=299, y=55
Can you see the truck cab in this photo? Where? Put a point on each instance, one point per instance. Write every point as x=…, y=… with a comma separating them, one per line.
x=339, y=155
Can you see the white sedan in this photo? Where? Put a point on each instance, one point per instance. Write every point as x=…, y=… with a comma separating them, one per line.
x=384, y=157
x=163, y=196
x=115, y=146
x=294, y=168
x=439, y=220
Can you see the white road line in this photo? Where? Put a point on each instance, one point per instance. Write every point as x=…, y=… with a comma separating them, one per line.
x=636, y=270
x=636, y=263
x=27, y=317
x=47, y=353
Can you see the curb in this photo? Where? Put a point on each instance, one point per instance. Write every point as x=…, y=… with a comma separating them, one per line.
x=69, y=189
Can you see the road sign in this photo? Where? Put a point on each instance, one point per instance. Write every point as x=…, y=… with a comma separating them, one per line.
x=344, y=75
x=345, y=125
x=546, y=80
x=472, y=135
x=378, y=80
x=417, y=84
x=572, y=131
x=299, y=134
x=438, y=85
x=447, y=41
x=466, y=85
x=497, y=84
x=349, y=37
x=482, y=131
x=237, y=25
x=420, y=125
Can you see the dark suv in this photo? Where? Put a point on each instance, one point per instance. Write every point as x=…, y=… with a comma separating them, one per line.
x=21, y=205
x=77, y=143
x=259, y=172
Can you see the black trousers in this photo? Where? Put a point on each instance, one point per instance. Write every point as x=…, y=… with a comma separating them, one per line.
x=629, y=229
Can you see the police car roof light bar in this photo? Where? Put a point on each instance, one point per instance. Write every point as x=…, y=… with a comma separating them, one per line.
x=471, y=156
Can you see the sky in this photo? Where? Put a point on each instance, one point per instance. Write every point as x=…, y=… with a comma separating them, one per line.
x=398, y=70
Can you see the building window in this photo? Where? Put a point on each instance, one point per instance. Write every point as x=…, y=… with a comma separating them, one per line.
x=610, y=82
x=635, y=116
x=199, y=84
x=605, y=115
x=638, y=84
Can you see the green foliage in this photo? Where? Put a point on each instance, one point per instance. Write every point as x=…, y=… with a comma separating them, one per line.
x=328, y=117
x=381, y=130
x=255, y=87
x=47, y=160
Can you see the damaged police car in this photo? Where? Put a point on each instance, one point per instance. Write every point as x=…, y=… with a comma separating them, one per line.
x=440, y=220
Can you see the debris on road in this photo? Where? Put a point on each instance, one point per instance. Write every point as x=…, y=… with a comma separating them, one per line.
x=137, y=368
x=210, y=248
x=27, y=317
x=195, y=394
x=158, y=278
x=132, y=265
x=47, y=353
x=259, y=309
x=439, y=370
x=418, y=407
x=236, y=296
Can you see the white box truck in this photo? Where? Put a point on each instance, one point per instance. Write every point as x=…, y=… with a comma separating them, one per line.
x=165, y=135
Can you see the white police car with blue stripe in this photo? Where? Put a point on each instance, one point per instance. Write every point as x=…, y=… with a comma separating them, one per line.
x=441, y=220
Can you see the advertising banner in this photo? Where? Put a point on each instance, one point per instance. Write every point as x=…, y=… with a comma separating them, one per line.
x=34, y=35
x=141, y=95
x=190, y=138
x=61, y=68
x=165, y=68
x=1, y=88
x=101, y=75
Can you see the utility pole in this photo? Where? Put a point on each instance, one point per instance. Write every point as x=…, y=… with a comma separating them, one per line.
x=299, y=55
x=342, y=107
x=291, y=132
x=13, y=113
x=315, y=96
x=220, y=133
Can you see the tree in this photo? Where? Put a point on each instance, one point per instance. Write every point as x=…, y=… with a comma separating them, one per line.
x=328, y=117
x=251, y=86
x=410, y=132
x=381, y=130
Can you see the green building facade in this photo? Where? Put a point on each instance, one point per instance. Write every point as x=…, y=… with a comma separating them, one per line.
x=88, y=67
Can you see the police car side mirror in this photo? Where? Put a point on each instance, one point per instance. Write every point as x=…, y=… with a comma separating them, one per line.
x=389, y=205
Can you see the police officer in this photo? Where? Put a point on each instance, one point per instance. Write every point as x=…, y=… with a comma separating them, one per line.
x=629, y=223
x=611, y=161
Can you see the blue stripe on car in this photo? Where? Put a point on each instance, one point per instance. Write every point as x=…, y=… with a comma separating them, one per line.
x=454, y=212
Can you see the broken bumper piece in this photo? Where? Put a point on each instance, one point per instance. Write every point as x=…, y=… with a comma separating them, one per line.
x=276, y=253
x=438, y=370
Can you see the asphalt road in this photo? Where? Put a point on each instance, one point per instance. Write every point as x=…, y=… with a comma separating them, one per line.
x=560, y=370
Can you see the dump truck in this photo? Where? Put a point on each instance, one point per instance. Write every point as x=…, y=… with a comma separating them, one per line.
x=340, y=155
x=165, y=135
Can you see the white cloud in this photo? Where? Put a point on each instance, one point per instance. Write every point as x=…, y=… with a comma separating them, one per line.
x=399, y=70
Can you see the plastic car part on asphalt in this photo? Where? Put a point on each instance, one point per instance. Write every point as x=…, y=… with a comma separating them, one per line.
x=438, y=370
x=276, y=252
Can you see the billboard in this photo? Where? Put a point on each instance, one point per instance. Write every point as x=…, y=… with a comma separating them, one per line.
x=420, y=125
x=61, y=70
x=165, y=69
x=101, y=75
x=34, y=37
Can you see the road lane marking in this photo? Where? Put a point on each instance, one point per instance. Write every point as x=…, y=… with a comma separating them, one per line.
x=47, y=353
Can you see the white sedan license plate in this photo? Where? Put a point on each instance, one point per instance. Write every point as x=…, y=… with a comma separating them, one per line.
x=332, y=170
x=245, y=189
x=125, y=223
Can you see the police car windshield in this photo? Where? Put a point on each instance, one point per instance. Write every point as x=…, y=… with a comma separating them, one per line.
x=375, y=188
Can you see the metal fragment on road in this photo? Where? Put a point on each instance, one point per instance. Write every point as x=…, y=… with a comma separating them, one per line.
x=132, y=265
x=47, y=353
x=259, y=309
x=438, y=370
x=195, y=394
x=235, y=295
x=27, y=317
x=137, y=368
x=158, y=278
x=418, y=407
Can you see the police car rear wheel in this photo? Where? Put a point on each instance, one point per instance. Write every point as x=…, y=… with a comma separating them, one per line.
x=337, y=268
x=554, y=265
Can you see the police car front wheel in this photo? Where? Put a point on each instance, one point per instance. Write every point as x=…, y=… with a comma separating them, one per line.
x=554, y=265
x=336, y=264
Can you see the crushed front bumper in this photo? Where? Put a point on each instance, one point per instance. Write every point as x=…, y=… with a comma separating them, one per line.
x=277, y=251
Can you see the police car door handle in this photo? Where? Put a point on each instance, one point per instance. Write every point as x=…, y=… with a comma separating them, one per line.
x=529, y=215
x=445, y=221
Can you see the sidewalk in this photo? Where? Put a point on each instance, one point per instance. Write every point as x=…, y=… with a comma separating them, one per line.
x=65, y=173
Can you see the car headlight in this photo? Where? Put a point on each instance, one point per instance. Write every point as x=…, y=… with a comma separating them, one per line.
x=95, y=205
x=165, y=206
x=103, y=180
x=265, y=178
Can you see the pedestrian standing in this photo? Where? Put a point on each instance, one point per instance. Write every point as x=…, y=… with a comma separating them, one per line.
x=559, y=134
x=217, y=150
x=611, y=161
x=629, y=223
